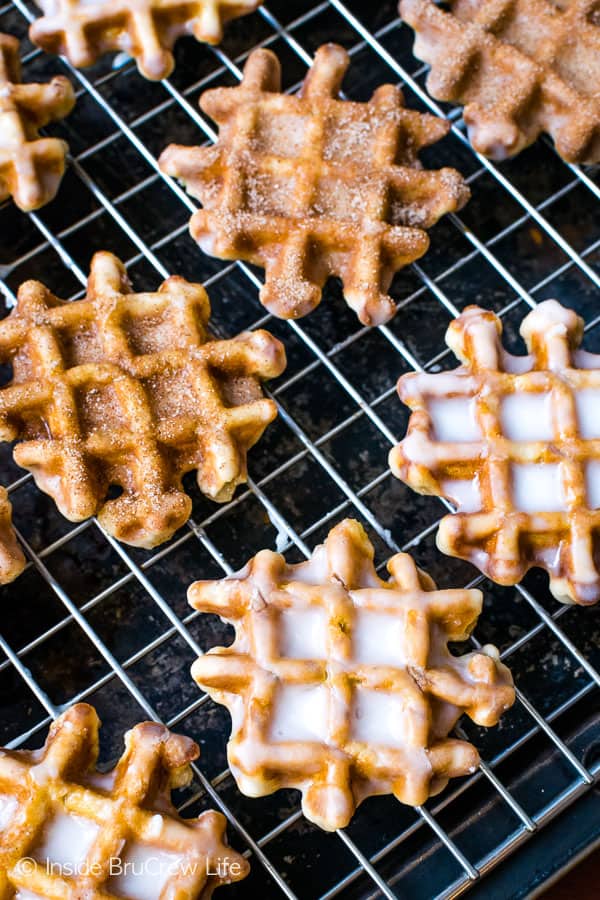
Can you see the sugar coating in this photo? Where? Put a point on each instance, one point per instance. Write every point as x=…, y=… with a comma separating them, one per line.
x=67, y=830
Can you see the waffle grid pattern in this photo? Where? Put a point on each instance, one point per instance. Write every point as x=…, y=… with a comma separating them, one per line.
x=547, y=52
x=344, y=195
x=128, y=389
x=58, y=782
x=502, y=537
x=344, y=761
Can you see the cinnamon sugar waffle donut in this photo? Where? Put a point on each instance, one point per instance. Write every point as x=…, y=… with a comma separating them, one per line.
x=514, y=442
x=69, y=832
x=340, y=684
x=519, y=67
x=310, y=186
x=131, y=390
x=83, y=30
x=31, y=167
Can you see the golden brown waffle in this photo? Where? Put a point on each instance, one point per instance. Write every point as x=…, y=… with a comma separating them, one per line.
x=12, y=561
x=31, y=166
x=145, y=29
x=69, y=832
x=341, y=684
x=131, y=390
x=514, y=442
x=310, y=186
x=520, y=67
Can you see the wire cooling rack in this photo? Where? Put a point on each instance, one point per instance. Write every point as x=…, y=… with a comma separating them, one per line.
x=91, y=619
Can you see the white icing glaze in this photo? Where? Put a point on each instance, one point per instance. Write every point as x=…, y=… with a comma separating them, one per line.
x=45, y=771
x=377, y=639
x=103, y=781
x=378, y=718
x=454, y=419
x=281, y=540
x=303, y=633
x=516, y=365
x=537, y=488
x=8, y=807
x=155, y=826
x=315, y=570
x=588, y=412
x=592, y=484
x=584, y=360
x=550, y=557
x=22, y=894
x=66, y=840
x=464, y=492
x=527, y=417
x=300, y=713
x=144, y=871
x=547, y=317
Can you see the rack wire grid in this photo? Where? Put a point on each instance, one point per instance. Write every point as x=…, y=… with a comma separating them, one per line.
x=92, y=619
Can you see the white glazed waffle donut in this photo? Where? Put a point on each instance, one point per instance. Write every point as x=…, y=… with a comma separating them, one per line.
x=68, y=832
x=31, y=166
x=514, y=442
x=341, y=684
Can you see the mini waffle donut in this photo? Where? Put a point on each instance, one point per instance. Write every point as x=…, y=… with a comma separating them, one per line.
x=31, y=167
x=340, y=684
x=145, y=29
x=311, y=185
x=514, y=442
x=68, y=831
x=12, y=561
x=520, y=67
x=131, y=390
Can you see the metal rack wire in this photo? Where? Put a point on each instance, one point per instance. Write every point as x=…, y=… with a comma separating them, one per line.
x=387, y=851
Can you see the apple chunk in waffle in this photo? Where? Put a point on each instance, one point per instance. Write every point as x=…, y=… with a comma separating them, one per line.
x=514, y=442
x=130, y=391
x=340, y=683
x=69, y=832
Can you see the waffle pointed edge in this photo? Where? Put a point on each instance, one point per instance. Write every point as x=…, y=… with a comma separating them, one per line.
x=312, y=186
x=337, y=768
x=131, y=390
x=147, y=30
x=539, y=76
x=129, y=805
x=31, y=166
